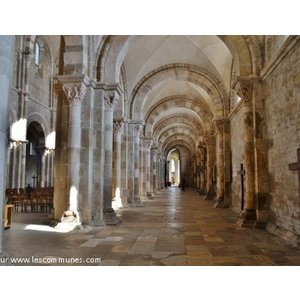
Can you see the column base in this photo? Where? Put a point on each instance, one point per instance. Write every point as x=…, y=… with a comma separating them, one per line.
x=208, y=196
x=110, y=217
x=97, y=223
x=219, y=203
x=138, y=202
x=149, y=196
x=117, y=203
x=248, y=219
x=70, y=220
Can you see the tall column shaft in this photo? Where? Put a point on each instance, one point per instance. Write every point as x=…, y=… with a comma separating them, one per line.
x=6, y=63
x=111, y=96
x=74, y=91
x=18, y=130
x=246, y=93
x=108, y=144
x=157, y=171
x=124, y=165
x=198, y=172
x=143, y=169
x=117, y=188
x=136, y=160
x=209, y=166
x=148, y=143
x=219, y=123
x=154, y=169
x=202, y=168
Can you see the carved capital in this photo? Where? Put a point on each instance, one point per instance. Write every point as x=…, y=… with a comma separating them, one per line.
x=219, y=125
x=154, y=150
x=110, y=99
x=208, y=140
x=245, y=90
x=74, y=92
x=147, y=143
x=117, y=126
x=137, y=128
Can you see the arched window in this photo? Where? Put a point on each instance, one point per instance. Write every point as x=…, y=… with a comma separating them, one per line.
x=37, y=56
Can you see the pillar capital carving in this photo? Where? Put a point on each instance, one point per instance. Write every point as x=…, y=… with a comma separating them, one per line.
x=221, y=125
x=74, y=92
x=209, y=140
x=117, y=126
x=74, y=87
x=147, y=143
x=28, y=55
x=111, y=96
x=154, y=150
x=244, y=90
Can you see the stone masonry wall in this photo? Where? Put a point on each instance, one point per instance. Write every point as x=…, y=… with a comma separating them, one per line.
x=283, y=133
x=237, y=154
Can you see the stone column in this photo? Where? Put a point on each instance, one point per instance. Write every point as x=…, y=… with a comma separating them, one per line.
x=117, y=192
x=148, y=143
x=263, y=197
x=219, y=123
x=198, y=172
x=111, y=96
x=158, y=171
x=154, y=169
x=18, y=130
x=227, y=165
x=6, y=63
x=209, y=166
x=75, y=92
x=124, y=164
x=162, y=172
x=44, y=169
x=202, y=169
x=137, y=128
x=143, y=170
x=245, y=91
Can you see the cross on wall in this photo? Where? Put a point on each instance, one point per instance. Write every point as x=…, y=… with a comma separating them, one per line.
x=296, y=167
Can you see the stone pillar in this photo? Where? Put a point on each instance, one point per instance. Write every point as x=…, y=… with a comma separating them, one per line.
x=6, y=63
x=137, y=128
x=75, y=92
x=202, y=170
x=44, y=169
x=143, y=170
x=154, y=169
x=18, y=130
x=111, y=96
x=158, y=171
x=219, y=123
x=124, y=165
x=117, y=192
x=209, y=166
x=227, y=165
x=245, y=91
x=263, y=197
x=198, y=172
x=148, y=143
x=162, y=172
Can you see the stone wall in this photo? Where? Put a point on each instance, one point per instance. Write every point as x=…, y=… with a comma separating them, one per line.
x=237, y=154
x=283, y=133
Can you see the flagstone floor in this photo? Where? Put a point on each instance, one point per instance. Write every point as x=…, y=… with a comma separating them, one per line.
x=175, y=228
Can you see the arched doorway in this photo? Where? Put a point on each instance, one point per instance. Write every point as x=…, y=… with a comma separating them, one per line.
x=174, y=168
x=34, y=154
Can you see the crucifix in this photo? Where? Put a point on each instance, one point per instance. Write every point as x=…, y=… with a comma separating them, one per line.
x=296, y=167
x=241, y=172
x=34, y=179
